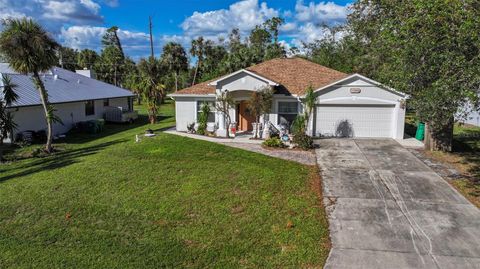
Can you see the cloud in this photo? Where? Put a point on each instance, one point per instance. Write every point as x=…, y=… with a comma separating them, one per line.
x=135, y=44
x=243, y=15
x=54, y=14
x=83, y=11
x=322, y=13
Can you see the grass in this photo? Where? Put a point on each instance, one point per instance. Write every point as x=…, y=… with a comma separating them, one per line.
x=104, y=201
x=465, y=158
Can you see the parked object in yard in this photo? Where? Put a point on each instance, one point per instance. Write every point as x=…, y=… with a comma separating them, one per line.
x=119, y=114
x=149, y=133
x=420, y=135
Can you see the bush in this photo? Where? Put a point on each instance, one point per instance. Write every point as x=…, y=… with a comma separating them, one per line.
x=299, y=124
x=203, y=119
x=91, y=126
x=303, y=141
x=273, y=142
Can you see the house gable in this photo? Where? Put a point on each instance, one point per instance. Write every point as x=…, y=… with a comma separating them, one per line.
x=243, y=80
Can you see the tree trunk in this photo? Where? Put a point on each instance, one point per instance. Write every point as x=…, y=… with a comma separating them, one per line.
x=196, y=71
x=44, y=99
x=439, y=140
x=176, y=81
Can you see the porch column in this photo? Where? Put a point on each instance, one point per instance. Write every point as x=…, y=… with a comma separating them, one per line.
x=221, y=124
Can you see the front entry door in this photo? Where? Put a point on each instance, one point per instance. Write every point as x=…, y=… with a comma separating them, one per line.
x=245, y=118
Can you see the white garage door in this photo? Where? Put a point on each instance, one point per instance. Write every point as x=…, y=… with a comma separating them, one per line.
x=354, y=121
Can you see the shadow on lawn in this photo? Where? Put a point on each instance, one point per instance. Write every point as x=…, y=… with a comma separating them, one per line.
x=55, y=161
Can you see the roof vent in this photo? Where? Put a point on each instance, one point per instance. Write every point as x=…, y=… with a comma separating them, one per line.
x=78, y=81
x=55, y=77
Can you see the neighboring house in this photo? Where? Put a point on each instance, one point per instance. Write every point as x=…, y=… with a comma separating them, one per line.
x=75, y=97
x=347, y=105
x=473, y=116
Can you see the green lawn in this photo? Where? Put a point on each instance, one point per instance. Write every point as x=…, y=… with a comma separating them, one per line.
x=105, y=201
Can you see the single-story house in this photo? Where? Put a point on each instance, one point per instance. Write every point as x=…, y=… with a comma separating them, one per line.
x=347, y=104
x=75, y=97
x=473, y=116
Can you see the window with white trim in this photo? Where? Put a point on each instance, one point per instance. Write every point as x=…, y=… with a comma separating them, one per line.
x=211, y=115
x=287, y=112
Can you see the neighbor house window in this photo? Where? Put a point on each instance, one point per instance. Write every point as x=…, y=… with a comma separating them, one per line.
x=211, y=115
x=89, y=107
x=287, y=112
x=106, y=102
x=130, y=104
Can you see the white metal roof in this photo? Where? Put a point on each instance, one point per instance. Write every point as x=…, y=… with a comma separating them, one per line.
x=63, y=86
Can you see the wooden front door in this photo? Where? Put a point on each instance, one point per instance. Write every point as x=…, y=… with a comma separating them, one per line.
x=245, y=119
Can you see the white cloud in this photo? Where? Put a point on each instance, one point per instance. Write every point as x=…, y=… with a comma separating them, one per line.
x=243, y=15
x=54, y=14
x=288, y=27
x=134, y=44
x=323, y=12
x=72, y=11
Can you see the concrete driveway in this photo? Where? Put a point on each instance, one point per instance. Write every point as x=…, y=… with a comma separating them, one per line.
x=389, y=210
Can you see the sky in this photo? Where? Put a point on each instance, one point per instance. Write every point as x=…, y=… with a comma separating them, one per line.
x=80, y=24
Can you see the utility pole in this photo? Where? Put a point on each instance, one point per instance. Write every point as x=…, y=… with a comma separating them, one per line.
x=151, y=36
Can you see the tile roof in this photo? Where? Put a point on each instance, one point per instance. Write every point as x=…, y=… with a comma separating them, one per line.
x=294, y=75
x=67, y=87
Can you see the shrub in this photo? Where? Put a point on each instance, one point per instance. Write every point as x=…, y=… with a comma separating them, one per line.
x=273, y=142
x=298, y=125
x=303, y=141
x=203, y=119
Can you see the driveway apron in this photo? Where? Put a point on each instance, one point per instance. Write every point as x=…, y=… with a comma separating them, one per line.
x=387, y=209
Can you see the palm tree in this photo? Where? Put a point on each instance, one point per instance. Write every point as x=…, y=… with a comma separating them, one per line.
x=30, y=50
x=197, y=50
x=7, y=125
x=176, y=59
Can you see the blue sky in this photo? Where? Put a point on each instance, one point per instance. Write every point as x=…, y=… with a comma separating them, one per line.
x=81, y=23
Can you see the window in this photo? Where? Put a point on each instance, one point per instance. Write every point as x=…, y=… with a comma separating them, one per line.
x=287, y=112
x=89, y=108
x=106, y=102
x=211, y=115
x=130, y=104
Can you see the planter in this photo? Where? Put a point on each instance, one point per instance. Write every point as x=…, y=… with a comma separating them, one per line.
x=259, y=130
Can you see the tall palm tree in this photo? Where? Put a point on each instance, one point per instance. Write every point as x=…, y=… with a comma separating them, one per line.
x=197, y=50
x=176, y=59
x=30, y=50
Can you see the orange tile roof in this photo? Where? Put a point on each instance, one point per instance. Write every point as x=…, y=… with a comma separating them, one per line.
x=294, y=75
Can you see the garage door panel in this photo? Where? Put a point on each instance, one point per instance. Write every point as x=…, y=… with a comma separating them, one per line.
x=354, y=121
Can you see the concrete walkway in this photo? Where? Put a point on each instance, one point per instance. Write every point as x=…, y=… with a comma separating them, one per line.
x=387, y=209
x=245, y=143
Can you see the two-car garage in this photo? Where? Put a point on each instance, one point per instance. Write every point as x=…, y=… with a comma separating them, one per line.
x=359, y=107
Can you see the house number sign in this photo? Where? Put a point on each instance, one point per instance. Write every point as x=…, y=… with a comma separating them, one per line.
x=355, y=90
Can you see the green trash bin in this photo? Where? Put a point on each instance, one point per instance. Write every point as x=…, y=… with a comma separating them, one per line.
x=420, y=135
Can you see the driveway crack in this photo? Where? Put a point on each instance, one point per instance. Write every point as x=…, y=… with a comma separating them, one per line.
x=391, y=186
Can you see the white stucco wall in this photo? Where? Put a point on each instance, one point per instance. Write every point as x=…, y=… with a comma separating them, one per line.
x=241, y=81
x=369, y=94
x=186, y=111
x=33, y=117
